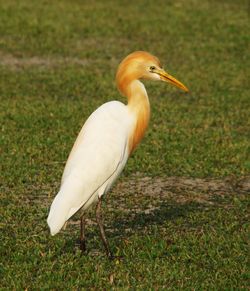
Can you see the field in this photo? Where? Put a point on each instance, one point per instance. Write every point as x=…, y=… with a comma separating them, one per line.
x=178, y=214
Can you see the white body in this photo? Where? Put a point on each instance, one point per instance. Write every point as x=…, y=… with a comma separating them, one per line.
x=95, y=162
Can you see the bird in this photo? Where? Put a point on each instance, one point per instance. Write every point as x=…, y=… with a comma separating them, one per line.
x=106, y=141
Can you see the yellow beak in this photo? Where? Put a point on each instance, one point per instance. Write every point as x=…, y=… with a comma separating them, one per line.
x=168, y=78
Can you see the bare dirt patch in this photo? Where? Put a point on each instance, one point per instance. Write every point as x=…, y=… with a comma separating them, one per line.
x=161, y=185
x=15, y=63
x=181, y=189
x=147, y=196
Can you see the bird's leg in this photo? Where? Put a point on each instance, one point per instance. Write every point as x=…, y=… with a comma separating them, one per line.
x=82, y=235
x=101, y=228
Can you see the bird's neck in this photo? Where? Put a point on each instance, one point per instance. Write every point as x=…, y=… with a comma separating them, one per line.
x=138, y=105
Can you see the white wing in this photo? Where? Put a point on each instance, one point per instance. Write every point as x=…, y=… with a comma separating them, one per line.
x=96, y=160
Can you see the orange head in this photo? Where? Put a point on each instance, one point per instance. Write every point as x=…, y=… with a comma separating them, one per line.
x=142, y=65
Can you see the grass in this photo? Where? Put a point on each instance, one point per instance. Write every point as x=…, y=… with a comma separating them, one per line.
x=57, y=64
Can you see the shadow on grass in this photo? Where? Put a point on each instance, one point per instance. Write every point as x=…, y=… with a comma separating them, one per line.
x=150, y=211
x=139, y=222
x=127, y=225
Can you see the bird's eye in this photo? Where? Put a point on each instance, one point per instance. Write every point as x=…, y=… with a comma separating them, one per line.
x=152, y=68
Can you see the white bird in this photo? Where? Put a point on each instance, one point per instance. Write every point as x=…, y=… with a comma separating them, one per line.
x=105, y=142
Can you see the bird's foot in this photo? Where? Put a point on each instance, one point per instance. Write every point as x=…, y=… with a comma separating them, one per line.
x=112, y=257
x=82, y=246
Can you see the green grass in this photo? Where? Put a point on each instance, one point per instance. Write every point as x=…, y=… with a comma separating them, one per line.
x=57, y=64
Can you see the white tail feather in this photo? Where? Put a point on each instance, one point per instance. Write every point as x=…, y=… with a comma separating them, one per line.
x=58, y=213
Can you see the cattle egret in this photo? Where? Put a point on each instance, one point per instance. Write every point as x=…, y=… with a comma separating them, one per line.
x=105, y=142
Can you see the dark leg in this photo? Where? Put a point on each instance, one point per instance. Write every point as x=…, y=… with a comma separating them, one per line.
x=82, y=235
x=100, y=224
